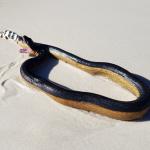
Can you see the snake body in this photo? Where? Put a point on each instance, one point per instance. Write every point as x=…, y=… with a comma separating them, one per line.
x=121, y=110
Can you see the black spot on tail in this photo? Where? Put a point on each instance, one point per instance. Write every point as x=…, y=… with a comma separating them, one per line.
x=12, y=36
x=9, y=34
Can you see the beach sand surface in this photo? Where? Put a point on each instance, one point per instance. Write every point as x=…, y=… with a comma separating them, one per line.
x=106, y=31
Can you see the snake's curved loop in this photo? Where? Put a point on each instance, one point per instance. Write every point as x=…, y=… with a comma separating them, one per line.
x=83, y=100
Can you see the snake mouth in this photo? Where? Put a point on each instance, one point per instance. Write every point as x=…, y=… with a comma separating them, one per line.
x=29, y=51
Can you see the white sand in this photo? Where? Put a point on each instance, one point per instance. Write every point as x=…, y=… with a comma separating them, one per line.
x=113, y=31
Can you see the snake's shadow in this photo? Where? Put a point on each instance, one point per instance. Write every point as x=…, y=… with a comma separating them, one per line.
x=147, y=115
x=44, y=69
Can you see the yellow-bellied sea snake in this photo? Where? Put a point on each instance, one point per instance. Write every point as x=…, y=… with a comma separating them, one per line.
x=123, y=110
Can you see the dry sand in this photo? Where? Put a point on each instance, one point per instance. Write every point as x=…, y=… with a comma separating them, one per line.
x=112, y=31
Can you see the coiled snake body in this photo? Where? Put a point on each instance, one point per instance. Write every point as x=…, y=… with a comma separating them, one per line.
x=83, y=100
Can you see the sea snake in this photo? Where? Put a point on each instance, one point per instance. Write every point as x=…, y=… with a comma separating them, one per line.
x=122, y=110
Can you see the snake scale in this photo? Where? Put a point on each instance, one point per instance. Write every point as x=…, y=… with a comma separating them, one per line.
x=122, y=110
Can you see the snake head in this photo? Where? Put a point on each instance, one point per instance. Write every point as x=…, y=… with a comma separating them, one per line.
x=30, y=47
x=35, y=48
